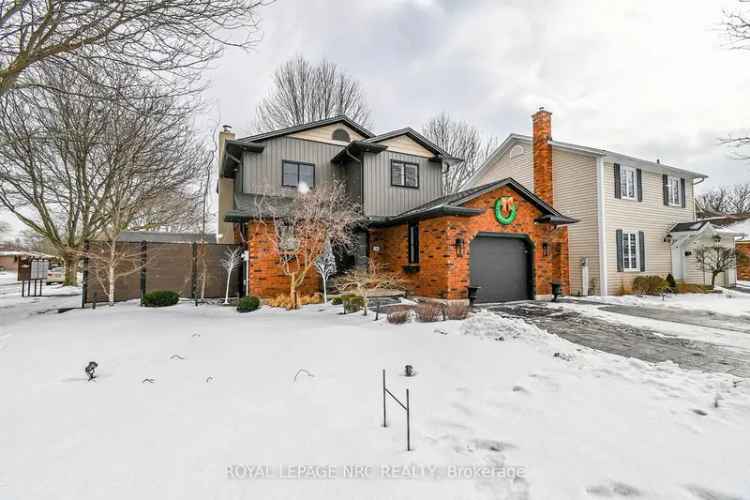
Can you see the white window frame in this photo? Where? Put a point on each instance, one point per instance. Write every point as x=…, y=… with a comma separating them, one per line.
x=627, y=258
x=626, y=174
x=674, y=195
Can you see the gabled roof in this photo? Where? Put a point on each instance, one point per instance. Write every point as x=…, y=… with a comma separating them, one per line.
x=452, y=205
x=308, y=126
x=615, y=157
x=416, y=137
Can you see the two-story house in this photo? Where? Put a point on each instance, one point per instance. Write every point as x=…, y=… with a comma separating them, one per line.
x=635, y=216
x=499, y=236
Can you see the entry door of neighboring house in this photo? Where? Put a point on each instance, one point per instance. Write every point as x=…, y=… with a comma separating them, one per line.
x=501, y=267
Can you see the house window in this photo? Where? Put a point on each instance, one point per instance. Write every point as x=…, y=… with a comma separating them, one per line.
x=414, y=243
x=287, y=241
x=341, y=135
x=516, y=151
x=674, y=197
x=293, y=173
x=631, y=260
x=629, y=183
x=404, y=174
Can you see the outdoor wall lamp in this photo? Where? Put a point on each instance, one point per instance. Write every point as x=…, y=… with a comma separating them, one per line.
x=668, y=239
x=459, y=247
x=717, y=239
x=545, y=249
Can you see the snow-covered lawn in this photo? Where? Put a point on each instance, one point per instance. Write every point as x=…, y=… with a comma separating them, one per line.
x=579, y=424
x=727, y=302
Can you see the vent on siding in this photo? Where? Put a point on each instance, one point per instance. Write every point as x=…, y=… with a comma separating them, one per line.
x=516, y=151
x=341, y=135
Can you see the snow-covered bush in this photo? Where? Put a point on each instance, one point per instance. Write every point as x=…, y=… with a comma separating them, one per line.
x=160, y=298
x=429, y=312
x=398, y=317
x=457, y=311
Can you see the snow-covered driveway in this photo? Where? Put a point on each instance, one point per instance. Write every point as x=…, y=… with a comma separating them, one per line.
x=528, y=416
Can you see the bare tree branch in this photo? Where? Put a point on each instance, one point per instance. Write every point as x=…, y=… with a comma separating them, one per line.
x=303, y=92
x=461, y=140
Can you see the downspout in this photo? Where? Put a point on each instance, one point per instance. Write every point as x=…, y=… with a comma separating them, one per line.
x=600, y=209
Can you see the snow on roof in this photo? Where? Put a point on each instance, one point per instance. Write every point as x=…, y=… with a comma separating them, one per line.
x=741, y=227
x=23, y=253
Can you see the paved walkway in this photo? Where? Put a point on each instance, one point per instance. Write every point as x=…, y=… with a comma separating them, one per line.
x=630, y=341
x=706, y=319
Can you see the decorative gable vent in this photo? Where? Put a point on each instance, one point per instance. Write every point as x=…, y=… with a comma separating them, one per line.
x=516, y=151
x=341, y=135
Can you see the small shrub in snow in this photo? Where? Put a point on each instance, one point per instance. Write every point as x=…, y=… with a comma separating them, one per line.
x=315, y=298
x=398, y=317
x=650, y=285
x=457, y=311
x=353, y=303
x=429, y=312
x=671, y=282
x=690, y=288
x=248, y=304
x=280, y=301
x=161, y=298
x=337, y=301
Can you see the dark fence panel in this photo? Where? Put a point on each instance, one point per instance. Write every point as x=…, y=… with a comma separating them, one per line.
x=179, y=267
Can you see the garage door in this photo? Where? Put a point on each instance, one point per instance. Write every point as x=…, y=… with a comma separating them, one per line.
x=500, y=266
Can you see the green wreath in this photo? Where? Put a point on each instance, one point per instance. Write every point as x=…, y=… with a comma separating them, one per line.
x=503, y=219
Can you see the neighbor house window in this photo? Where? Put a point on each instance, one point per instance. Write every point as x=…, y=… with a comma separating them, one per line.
x=404, y=174
x=630, y=258
x=629, y=183
x=340, y=135
x=413, y=243
x=294, y=172
x=674, y=195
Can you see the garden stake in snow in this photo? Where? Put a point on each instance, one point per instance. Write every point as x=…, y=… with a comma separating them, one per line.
x=406, y=407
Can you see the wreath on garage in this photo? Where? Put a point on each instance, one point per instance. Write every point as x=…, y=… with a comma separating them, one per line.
x=505, y=210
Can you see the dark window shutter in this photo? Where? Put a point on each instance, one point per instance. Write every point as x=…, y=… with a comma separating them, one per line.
x=618, y=182
x=639, y=180
x=665, y=188
x=642, y=249
x=413, y=243
x=620, y=265
x=683, y=200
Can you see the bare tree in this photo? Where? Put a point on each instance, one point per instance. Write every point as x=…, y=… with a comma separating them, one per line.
x=718, y=259
x=326, y=267
x=733, y=199
x=74, y=168
x=368, y=281
x=174, y=36
x=4, y=228
x=230, y=262
x=463, y=141
x=297, y=229
x=304, y=92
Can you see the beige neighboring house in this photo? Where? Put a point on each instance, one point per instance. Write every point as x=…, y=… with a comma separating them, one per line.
x=627, y=208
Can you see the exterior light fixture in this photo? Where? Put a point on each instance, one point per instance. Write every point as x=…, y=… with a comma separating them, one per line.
x=545, y=249
x=717, y=239
x=668, y=238
x=459, y=247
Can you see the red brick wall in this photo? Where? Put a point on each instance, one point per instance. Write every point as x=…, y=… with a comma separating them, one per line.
x=265, y=275
x=743, y=269
x=443, y=274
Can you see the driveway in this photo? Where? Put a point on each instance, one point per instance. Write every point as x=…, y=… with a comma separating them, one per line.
x=637, y=342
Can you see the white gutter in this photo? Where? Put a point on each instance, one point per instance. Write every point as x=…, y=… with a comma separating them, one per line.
x=602, y=225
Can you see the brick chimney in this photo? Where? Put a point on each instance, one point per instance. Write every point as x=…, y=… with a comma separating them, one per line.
x=542, y=134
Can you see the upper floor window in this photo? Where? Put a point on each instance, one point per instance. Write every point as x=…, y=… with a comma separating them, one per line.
x=294, y=173
x=629, y=183
x=341, y=135
x=404, y=174
x=674, y=196
x=631, y=259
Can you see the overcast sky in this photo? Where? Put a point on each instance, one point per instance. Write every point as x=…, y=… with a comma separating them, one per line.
x=653, y=79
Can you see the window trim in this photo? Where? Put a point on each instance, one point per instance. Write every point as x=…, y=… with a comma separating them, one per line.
x=412, y=242
x=624, y=171
x=675, y=189
x=625, y=249
x=298, y=164
x=403, y=163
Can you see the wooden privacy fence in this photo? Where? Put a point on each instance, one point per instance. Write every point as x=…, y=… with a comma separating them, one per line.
x=150, y=266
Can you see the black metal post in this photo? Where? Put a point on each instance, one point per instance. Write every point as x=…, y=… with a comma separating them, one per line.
x=144, y=249
x=85, y=290
x=408, y=423
x=377, y=310
x=94, y=306
x=385, y=422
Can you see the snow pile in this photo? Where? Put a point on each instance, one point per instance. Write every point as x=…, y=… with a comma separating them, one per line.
x=727, y=302
x=486, y=324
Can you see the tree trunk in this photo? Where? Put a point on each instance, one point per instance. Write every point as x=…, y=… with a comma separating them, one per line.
x=325, y=292
x=293, y=291
x=714, y=275
x=70, y=262
x=111, y=279
x=226, y=295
